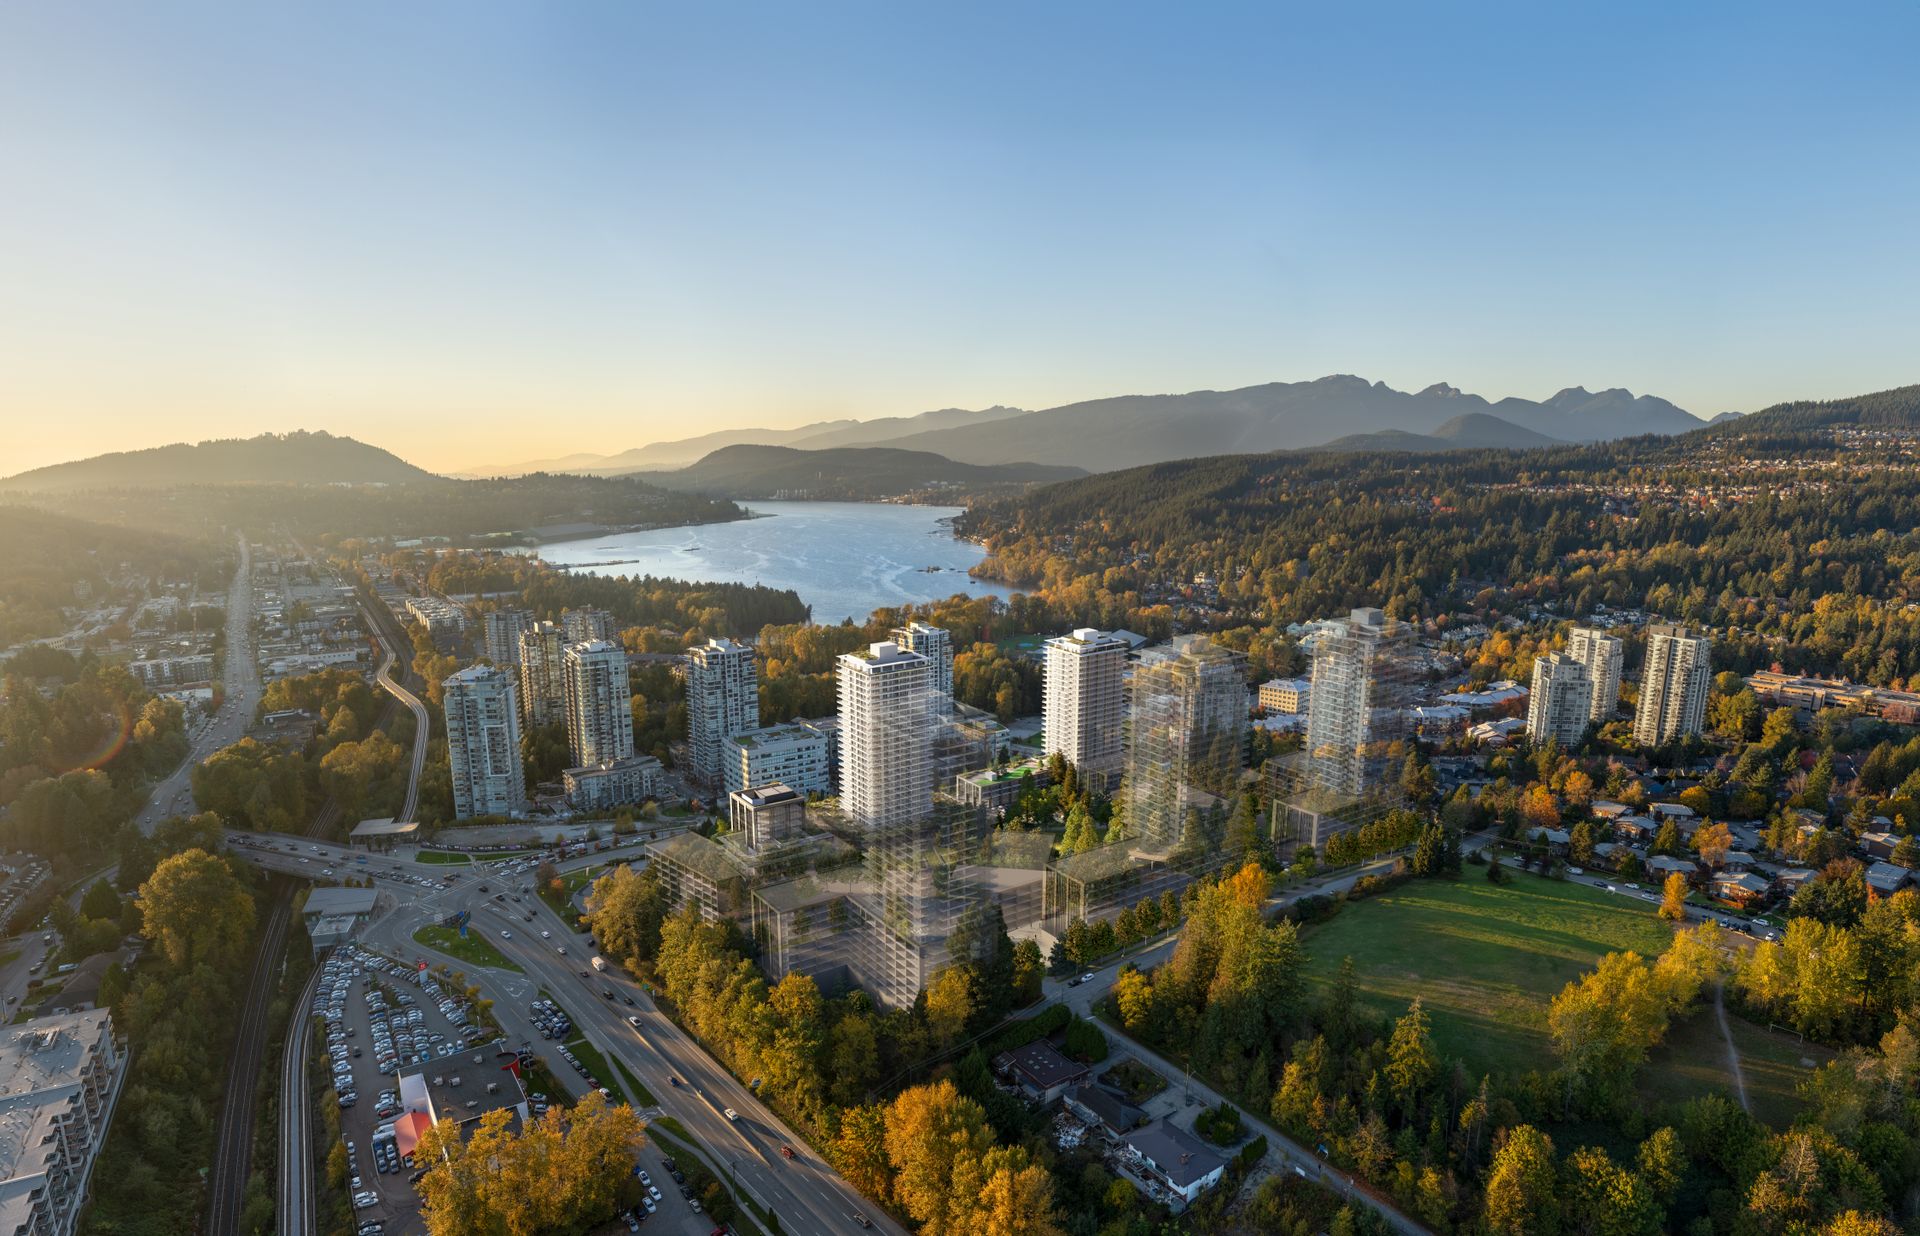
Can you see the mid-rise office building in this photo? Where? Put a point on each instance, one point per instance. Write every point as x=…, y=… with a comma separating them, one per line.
x=615, y=783
x=1600, y=653
x=887, y=716
x=767, y=815
x=1357, y=708
x=1285, y=695
x=936, y=645
x=1186, y=740
x=543, y=697
x=795, y=755
x=584, y=626
x=501, y=636
x=599, y=703
x=1673, y=685
x=1083, y=703
x=483, y=742
x=1561, y=705
x=60, y=1079
x=723, y=699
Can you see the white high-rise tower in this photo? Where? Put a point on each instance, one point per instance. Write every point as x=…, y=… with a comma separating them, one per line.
x=599, y=704
x=1600, y=654
x=1083, y=706
x=936, y=645
x=723, y=699
x=1673, y=686
x=886, y=736
x=1562, y=701
x=483, y=742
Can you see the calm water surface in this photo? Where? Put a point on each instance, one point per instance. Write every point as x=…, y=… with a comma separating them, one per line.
x=845, y=559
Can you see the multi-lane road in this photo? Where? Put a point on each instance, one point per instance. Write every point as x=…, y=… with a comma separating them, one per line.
x=804, y=1192
x=173, y=795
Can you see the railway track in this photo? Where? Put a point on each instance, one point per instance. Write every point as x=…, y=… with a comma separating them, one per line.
x=233, y=1149
x=294, y=1200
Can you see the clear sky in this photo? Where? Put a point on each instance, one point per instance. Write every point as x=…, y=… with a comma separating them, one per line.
x=483, y=232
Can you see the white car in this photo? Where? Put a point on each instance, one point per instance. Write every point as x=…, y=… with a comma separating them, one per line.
x=731, y=1114
x=546, y=935
x=506, y=935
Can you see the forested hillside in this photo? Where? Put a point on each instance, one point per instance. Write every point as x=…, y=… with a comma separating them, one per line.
x=1793, y=531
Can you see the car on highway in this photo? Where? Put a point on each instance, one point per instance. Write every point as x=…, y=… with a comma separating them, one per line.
x=546, y=935
x=634, y=1022
x=730, y=1114
x=505, y=934
x=786, y=1152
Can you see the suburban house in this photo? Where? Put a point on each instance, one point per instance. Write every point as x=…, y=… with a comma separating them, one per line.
x=1177, y=1159
x=1660, y=866
x=1742, y=888
x=1886, y=879
x=1111, y=1115
x=1041, y=1072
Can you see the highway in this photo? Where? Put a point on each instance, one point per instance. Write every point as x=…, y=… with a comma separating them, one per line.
x=173, y=795
x=805, y=1192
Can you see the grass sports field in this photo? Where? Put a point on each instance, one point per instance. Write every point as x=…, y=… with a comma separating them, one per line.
x=1692, y=1061
x=1486, y=959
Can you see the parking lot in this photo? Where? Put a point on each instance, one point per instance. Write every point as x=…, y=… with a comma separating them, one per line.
x=384, y=1018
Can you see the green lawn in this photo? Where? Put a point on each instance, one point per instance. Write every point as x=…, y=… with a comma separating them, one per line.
x=1692, y=1061
x=586, y=1053
x=440, y=856
x=1486, y=959
x=471, y=949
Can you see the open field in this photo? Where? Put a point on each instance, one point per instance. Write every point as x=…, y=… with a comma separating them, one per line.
x=469, y=948
x=1692, y=1061
x=1486, y=959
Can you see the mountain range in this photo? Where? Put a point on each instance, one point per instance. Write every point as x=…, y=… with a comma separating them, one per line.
x=302, y=457
x=748, y=470
x=1129, y=430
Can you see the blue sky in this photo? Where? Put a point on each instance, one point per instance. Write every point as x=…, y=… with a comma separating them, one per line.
x=478, y=233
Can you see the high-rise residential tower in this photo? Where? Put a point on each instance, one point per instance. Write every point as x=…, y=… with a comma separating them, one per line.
x=1599, y=653
x=1673, y=685
x=583, y=626
x=936, y=645
x=723, y=699
x=483, y=743
x=1561, y=705
x=502, y=631
x=1083, y=705
x=599, y=703
x=1357, y=708
x=887, y=716
x=543, y=698
x=1186, y=740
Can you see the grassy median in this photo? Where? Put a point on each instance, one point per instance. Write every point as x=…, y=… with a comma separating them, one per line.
x=468, y=948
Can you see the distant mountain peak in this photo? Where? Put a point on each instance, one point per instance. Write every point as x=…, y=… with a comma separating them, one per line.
x=301, y=457
x=1442, y=390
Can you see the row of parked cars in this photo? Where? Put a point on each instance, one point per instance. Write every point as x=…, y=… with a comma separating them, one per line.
x=550, y=1019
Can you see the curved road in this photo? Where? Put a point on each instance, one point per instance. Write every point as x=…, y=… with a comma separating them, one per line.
x=384, y=675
